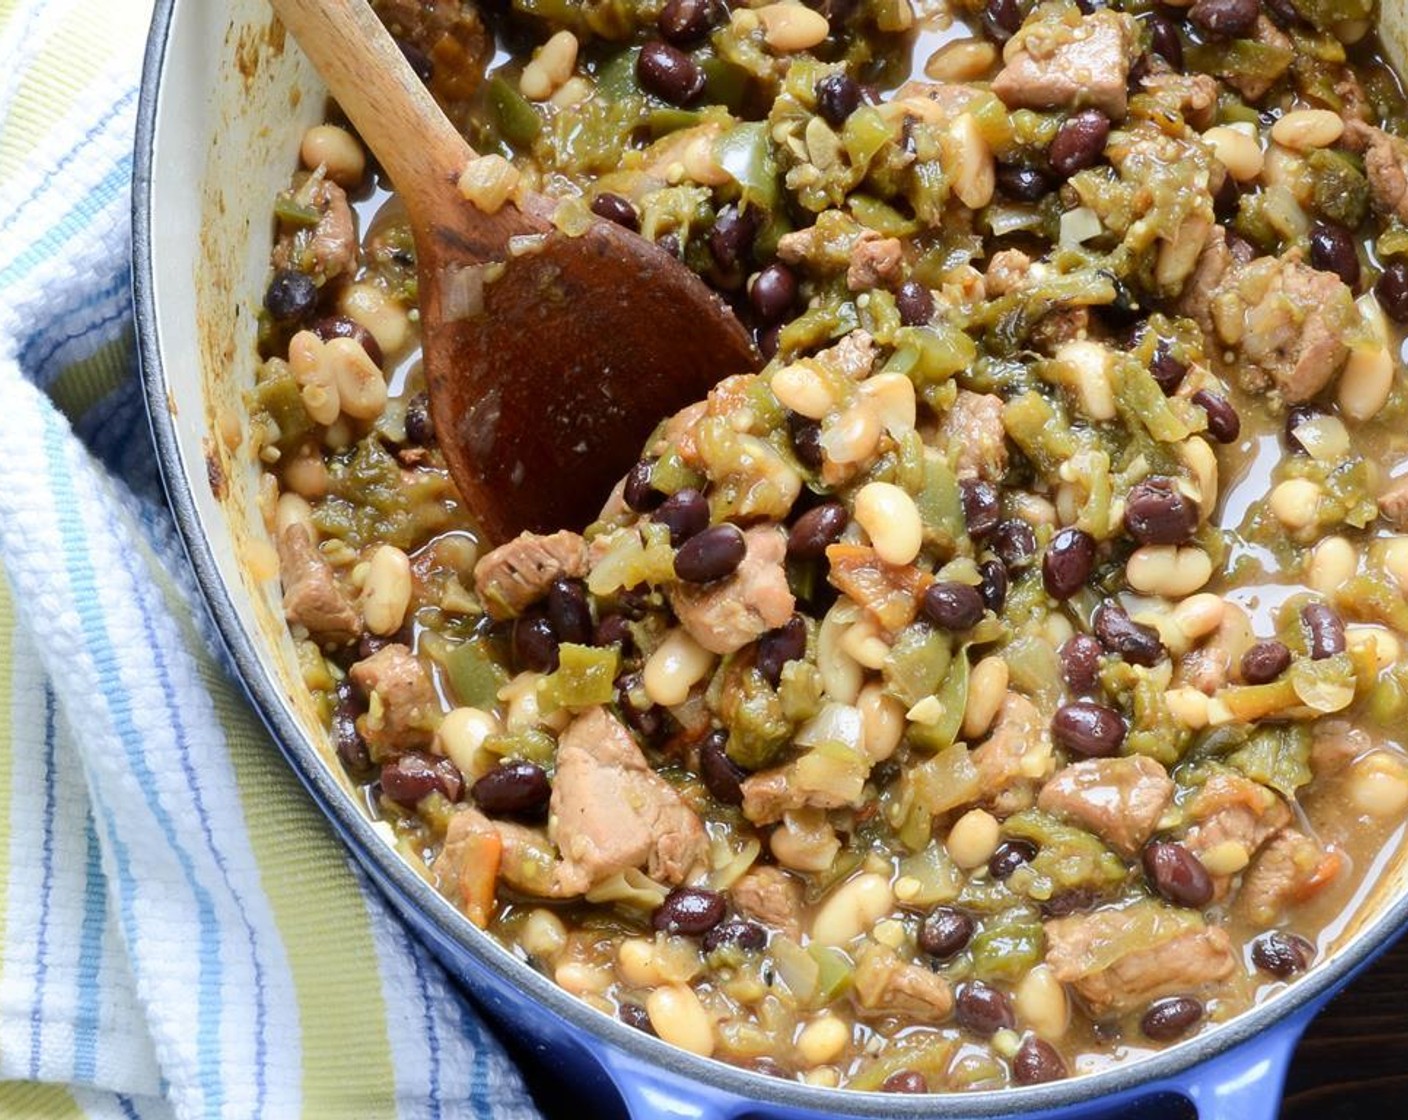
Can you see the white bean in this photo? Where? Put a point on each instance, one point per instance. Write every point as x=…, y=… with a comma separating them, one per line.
x=316, y=380
x=891, y=520
x=386, y=594
x=1295, y=503
x=676, y=666
x=987, y=688
x=1168, y=570
x=461, y=736
x=1041, y=1002
x=973, y=838
x=1303, y=130
x=791, y=27
x=802, y=389
x=852, y=909
x=361, y=388
x=680, y=1019
x=335, y=150
x=823, y=1040
x=882, y=722
x=1333, y=562
x=1237, y=151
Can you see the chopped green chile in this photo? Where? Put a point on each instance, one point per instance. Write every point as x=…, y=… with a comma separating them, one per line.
x=791, y=786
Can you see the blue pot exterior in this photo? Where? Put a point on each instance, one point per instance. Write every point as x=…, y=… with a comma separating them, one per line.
x=1233, y=1073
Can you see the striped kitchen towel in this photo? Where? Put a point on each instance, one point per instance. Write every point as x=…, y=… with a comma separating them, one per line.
x=180, y=933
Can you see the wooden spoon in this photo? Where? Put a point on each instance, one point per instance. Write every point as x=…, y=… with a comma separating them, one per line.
x=543, y=388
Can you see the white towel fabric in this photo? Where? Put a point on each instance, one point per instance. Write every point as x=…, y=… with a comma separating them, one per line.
x=180, y=934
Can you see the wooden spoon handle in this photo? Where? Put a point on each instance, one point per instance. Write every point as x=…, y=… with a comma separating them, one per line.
x=381, y=95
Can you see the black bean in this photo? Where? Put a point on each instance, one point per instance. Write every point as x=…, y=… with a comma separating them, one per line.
x=1068, y=562
x=773, y=292
x=1297, y=415
x=837, y=97
x=689, y=910
x=1080, y=663
x=983, y=1009
x=1324, y=631
x=915, y=303
x=1009, y=856
x=684, y=513
x=767, y=340
x=1037, y=1062
x=1164, y=40
x=1087, y=728
x=613, y=630
x=1282, y=954
x=420, y=61
x=1001, y=19
x=351, y=747
x=711, y=554
x=777, y=647
x=569, y=611
x=1392, y=290
x=1171, y=1018
x=534, y=644
x=634, y=1015
x=1283, y=12
x=340, y=326
x=1156, y=511
x=1168, y=371
x=805, y=434
x=1025, y=184
x=1079, y=142
x=945, y=932
x=1265, y=661
x=819, y=527
x=736, y=931
x=731, y=236
x=415, y=775
x=615, y=208
x=1227, y=199
x=1224, y=425
x=291, y=296
x=1069, y=902
x=420, y=425
x=722, y=776
x=637, y=492
x=1177, y=875
x=994, y=585
x=646, y=722
x=905, y=1081
x=1014, y=542
x=1332, y=250
x=982, y=506
x=1136, y=643
x=952, y=606
x=1228, y=19
x=517, y=788
x=685, y=22
x=669, y=73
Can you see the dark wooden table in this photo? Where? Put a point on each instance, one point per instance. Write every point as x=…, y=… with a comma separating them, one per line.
x=1351, y=1065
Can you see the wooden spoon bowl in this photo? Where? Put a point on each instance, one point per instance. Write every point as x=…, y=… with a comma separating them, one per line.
x=549, y=356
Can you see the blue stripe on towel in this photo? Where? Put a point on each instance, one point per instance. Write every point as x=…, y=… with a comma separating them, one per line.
x=85, y=1058
x=112, y=185
x=46, y=888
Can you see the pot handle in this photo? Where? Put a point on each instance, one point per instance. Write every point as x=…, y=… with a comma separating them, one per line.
x=652, y=1092
x=1245, y=1083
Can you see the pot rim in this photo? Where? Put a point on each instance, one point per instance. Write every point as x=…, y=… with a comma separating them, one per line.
x=1159, y=1070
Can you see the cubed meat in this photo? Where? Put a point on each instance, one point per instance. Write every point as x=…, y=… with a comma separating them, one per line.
x=852, y=357
x=1213, y=264
x=1194, y=96
x=1254, y=84
x=1289, y=869
x=768, y=794
x=972, y=431
x=1070, y=64
x=329, y=249
x=678, y=434
x=451, y=36
x=890, y=593
x=724, y=616
x=1118, y=799
x=875, y=261
x=1016, y=757
x=1232, y=818
x=1335, y=744
x=772, y=896
x=516, y=575
x=611, y=812
x=313, y=598
x=1393, y=503
x=402, y=708
x=1006, y=272
x=1120, y=960
x=885, y=984
x=467, y=869
x=1287, y=324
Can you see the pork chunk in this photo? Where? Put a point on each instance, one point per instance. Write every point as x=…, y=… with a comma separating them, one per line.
x=313, y=598
x=1006, y=272
x=516, y=575
x=449, y=33
x=1286, y=325
x=1060, y=64
x=875, y=261
x=768, y=794
x=1194, y=95
x=1230, y=810
x=1393, y=503
x=772, y=896
x=1386, y=165
x=1253, y=85
x=402, y=708
x=887, y=985
x=610, y=811
x=1016, y=756
x=1118, y=799
x=1120, y=960
x=976, y=440
x=724, y=616
x=329, y=249
x=1291, y=867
